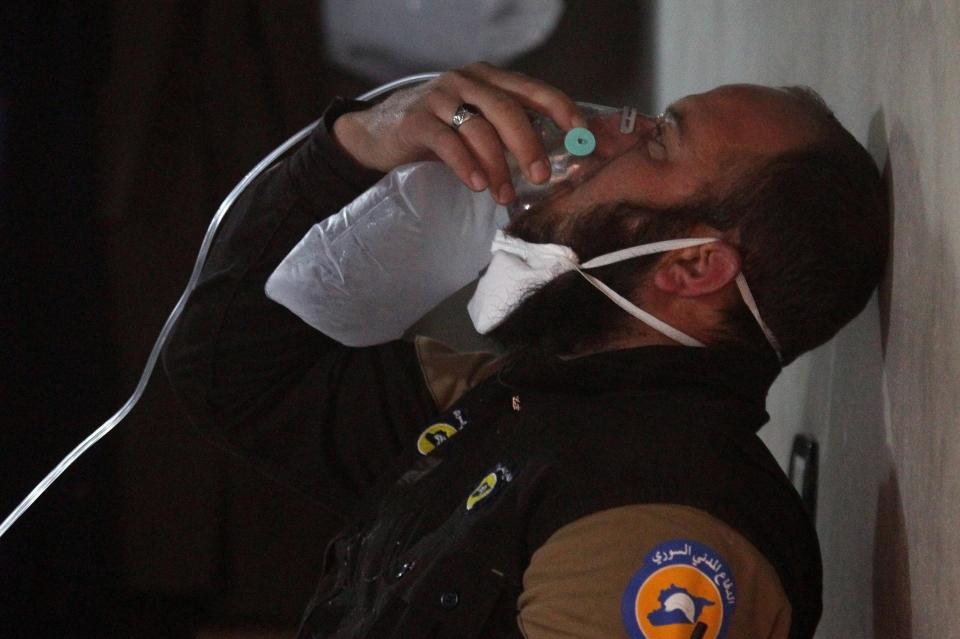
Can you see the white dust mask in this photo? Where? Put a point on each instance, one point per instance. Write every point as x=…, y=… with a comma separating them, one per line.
x=519, y=267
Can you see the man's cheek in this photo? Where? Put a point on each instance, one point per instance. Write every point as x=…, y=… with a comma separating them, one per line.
x=539, y=225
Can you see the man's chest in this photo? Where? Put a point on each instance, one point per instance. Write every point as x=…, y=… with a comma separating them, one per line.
x=443, y=545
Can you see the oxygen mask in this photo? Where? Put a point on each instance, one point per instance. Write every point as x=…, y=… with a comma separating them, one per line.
x=574, y=156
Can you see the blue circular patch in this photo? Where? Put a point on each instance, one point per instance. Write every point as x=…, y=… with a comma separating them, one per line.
x=683, y=588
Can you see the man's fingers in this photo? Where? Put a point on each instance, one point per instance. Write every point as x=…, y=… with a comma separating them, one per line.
x=508, y=118
x=415, y=124
x=483, y=142
x=445, y=143
x=531, y=93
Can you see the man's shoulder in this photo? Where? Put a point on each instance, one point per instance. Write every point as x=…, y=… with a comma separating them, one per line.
x=648, y=568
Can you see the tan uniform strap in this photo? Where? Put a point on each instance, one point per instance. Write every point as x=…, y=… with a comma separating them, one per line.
x=449, y=373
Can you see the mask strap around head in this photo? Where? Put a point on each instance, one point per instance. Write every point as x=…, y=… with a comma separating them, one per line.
x=646, y=249
x=638, y=251
x=755, y=311
x=656, y=324
x=650, y=320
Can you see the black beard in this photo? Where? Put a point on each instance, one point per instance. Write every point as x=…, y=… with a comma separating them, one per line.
x=567, y=315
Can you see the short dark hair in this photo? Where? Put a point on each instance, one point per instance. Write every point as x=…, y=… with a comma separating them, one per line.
x=814, y=231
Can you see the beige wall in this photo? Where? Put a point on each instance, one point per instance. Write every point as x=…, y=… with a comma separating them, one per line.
x=882, y=398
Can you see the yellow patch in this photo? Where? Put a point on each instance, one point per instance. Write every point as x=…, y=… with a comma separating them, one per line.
x=483, y=490
x=433, y=436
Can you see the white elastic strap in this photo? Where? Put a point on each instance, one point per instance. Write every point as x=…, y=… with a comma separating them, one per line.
x=755, y=311
x=646, y=249
x=638, y=251
x=650, y=320
x=645, y=317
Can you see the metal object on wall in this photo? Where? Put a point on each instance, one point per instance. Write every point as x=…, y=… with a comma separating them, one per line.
x=804, y=463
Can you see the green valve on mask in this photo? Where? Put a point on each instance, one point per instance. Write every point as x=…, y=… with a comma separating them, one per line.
x=580, y=141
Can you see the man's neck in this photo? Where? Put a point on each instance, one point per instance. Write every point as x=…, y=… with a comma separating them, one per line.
x=623, y=341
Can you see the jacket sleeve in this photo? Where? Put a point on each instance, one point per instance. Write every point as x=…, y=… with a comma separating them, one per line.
x=323, y=418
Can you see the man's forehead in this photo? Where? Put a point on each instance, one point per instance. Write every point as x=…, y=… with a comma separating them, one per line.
x=746, y=116
x=740, y=96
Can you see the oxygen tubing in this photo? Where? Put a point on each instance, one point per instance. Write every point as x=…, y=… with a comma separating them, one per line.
x=161, y=341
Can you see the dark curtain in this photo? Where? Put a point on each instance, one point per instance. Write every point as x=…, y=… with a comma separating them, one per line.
x=57, y=375
x=122, y=126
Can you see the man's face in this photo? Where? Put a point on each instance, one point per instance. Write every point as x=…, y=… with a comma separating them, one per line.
x=689, y=155
x=690, y=152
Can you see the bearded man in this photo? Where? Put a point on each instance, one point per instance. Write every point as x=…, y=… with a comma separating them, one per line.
x=600, y=479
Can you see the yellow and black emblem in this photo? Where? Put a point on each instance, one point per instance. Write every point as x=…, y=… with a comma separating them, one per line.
x=483, y=490
x=433, y=436
x=488, y=485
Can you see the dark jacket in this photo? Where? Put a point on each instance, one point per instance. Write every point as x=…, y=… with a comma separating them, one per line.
x=436, y=545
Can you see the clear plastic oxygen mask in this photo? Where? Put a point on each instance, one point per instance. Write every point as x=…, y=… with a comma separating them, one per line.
x=574, y=155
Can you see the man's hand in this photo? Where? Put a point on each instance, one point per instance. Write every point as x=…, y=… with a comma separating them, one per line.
x=414, y=124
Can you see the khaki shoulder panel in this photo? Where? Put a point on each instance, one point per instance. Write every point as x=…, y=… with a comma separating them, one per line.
x=449, y=373
x=576, y=580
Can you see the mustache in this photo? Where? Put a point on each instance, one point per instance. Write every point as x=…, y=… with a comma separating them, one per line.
x=603, y=228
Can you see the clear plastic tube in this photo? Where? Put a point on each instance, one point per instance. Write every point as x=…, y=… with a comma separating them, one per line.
x=225, y=206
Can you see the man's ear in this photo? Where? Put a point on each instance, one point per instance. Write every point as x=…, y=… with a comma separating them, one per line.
x=699, y=270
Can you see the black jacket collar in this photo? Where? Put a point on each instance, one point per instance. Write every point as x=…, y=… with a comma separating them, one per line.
x=743, y=374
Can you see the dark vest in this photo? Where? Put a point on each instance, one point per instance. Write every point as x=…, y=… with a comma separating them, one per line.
x=441, y=550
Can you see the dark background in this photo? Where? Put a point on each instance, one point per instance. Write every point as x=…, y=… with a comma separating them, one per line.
x=122, y=127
